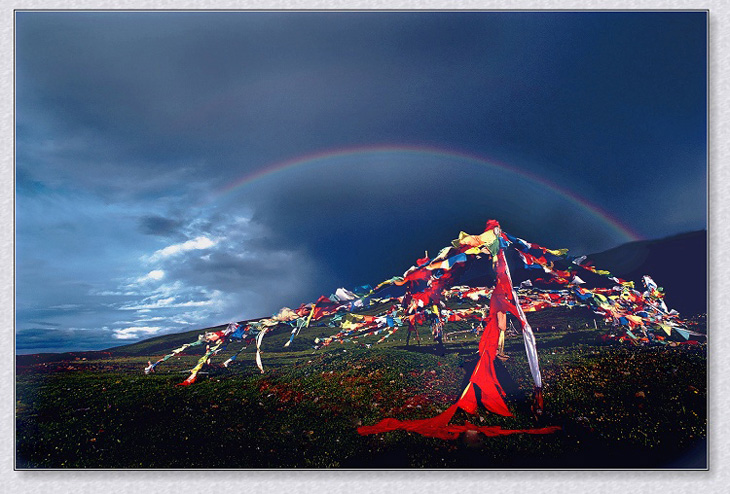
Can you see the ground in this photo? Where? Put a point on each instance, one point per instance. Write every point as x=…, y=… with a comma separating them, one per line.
x=618, y=405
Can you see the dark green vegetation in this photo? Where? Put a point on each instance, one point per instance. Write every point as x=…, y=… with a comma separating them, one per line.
x=619, y=406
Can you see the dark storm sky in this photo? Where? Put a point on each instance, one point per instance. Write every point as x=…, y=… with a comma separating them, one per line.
x=580, y=130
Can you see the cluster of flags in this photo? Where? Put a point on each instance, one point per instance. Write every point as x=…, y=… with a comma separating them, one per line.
x=423, y=293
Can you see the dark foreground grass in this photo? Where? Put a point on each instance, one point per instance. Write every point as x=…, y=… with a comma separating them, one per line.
x=619, y=407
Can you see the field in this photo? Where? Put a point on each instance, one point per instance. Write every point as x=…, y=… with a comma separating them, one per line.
x=618, y=405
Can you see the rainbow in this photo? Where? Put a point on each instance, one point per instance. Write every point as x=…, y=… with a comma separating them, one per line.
x=283, y=166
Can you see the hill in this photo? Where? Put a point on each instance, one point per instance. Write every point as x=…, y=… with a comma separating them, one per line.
x=677, y=263
x=618, y=406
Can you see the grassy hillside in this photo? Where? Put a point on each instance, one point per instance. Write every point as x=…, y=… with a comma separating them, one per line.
x=618, y=406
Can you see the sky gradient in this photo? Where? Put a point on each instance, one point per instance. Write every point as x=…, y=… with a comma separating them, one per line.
x=181, y=170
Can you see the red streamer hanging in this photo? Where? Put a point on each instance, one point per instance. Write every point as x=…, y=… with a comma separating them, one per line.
x=483, y=385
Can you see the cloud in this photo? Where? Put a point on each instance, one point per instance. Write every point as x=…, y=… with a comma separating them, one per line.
x=242, y=274
x=135, y=332
x=239, y=276
x=43, y=323
x=149, y=319
x=113, y=293
x=154, y=275
x=159, y=225
x=173, y=303
x=66, y=307
x=198, y=243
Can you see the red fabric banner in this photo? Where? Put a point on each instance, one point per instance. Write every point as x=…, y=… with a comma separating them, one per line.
x=483, y=385
x=439, y=427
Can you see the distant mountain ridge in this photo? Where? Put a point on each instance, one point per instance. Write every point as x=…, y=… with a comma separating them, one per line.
x=677, y=263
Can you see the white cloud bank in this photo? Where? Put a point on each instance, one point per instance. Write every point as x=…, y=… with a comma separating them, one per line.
x=134, y=332
x=154, y=275
x=199, y=243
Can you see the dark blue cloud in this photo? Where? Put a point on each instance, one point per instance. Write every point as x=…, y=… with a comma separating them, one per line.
x=159, y=225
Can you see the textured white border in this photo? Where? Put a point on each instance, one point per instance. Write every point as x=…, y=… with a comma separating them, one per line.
x=562, y=482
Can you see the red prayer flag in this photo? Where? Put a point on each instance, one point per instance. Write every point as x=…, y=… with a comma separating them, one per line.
x=483, y=385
